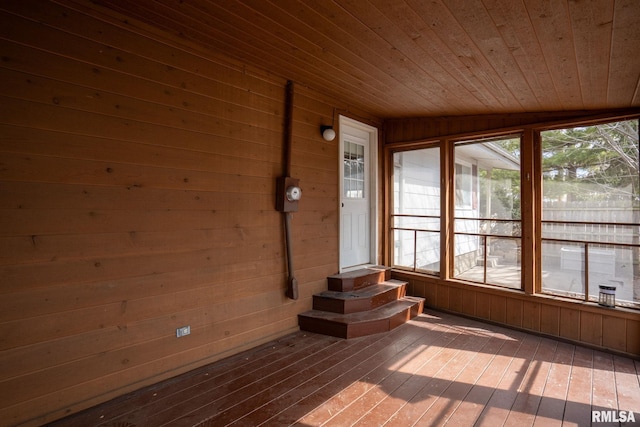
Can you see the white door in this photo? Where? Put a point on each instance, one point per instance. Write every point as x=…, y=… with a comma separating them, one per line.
x=357, y=193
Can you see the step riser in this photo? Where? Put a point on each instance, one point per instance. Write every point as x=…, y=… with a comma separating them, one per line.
x=360, y=303
x=319, y=326
x=348, y=282
x=355, y=330
x=357, y=305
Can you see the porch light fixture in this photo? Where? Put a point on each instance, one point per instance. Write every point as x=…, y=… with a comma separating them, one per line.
x=607, y=296
x=328, y=133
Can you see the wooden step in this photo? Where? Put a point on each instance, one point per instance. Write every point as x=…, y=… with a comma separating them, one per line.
x=363, y=299
x=347, y=282
x=353, y=325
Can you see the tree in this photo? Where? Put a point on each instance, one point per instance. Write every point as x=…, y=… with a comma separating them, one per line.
x=603, y=159
x=597, y=163
x=501, y=190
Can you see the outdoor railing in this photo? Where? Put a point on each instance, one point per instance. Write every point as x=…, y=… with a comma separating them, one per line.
x=587, y=246
x=415, y=230
x=486, y=230
x=606, y=240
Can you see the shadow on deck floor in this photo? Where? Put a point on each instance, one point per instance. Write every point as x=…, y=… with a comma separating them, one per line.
x=436, y=369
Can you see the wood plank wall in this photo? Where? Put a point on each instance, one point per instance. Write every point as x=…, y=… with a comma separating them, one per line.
x=137, y=191
x=612, y=330
x=424, y=128
x=616, y=330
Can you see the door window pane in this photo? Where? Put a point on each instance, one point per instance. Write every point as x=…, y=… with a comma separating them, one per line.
x=354, y=170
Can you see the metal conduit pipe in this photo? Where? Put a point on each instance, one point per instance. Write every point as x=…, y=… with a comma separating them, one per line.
x=292, y=282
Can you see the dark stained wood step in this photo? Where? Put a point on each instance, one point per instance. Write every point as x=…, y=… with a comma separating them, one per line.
x=350, y=281
x=363, y=299
x=352, y=325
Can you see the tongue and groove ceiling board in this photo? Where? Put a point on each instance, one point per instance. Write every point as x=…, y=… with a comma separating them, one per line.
x=403, y=58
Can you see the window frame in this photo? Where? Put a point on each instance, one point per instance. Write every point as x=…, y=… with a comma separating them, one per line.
x=391, y=248
x=588, y=245
x=482, y=237
x=531, y=196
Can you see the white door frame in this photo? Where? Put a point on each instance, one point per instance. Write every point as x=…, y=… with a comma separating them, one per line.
x=345, y=122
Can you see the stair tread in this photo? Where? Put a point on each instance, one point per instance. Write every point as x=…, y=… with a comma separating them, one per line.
x=379, y=313
x=358, y=279
x=363, y=293
x=360, y=272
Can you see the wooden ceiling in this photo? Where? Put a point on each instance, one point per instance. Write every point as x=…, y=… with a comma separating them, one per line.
x=404, y=58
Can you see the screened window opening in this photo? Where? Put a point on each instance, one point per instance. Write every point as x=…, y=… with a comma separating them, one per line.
x=416, y=210
x=591, y=212
x=487, y=220
x=585, y=231
x=464, y=187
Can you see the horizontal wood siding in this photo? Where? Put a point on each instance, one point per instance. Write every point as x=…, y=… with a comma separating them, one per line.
x=425, y=128
x=584, y=323
x=137, y=192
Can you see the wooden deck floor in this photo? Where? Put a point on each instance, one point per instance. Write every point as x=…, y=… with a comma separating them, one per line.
x=437, y=369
